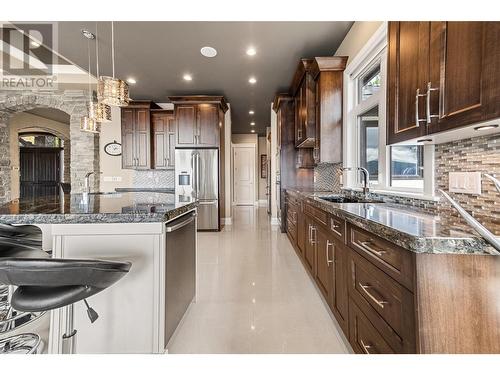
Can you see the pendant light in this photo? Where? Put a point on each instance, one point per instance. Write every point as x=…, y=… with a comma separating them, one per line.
x=99, y=111
x=87, y=123
x=111, y=90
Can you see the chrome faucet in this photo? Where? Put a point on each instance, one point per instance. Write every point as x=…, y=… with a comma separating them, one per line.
x=87, y=182
x=366, y=179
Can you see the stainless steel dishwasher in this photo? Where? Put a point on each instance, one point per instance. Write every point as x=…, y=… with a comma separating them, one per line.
x=180, y=268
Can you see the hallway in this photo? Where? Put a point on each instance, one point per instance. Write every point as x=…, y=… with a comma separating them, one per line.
x=254, y=296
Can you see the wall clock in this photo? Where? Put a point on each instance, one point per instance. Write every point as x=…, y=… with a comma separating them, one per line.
x=114, y=148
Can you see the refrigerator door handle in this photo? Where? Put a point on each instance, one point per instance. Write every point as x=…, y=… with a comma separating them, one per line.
x=197, y=175
x=207, y=202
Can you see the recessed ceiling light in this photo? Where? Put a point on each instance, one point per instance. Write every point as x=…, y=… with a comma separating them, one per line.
x=131, y=80
x=187, y=77
x=208, y=51
x=252, y=131
x=251, y=112
x=486, y=127
x=252, y=80
x=87, y=34
x=252, y=123
x=251, y=51
x=34, y=43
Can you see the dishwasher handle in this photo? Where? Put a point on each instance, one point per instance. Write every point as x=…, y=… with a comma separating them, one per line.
x=172, y=228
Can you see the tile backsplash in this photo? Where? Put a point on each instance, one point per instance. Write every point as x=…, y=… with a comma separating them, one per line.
x=154, y=179
x=327, y=177
x=478, y=154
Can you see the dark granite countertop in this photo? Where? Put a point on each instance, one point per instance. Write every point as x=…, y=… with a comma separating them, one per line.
x=408, y=227
x=129, y=207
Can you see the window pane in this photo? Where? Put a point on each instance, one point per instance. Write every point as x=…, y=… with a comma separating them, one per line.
x=39, y=140
x=369, y=83
x=368, y=138
x=407, y=167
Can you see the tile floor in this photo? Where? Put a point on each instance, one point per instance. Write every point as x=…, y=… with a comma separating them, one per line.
x=254, y=295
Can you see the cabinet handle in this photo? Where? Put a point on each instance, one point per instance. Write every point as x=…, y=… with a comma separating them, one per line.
x=418, y=119
x=313, y=239
x=428, y=102
x=328, y=260
x=365, y=288
x=365, y=347
x=334, y=227
x=299, y=133
x=366, y=245
x=309, y=236
x=316, y=154
x=165, y=161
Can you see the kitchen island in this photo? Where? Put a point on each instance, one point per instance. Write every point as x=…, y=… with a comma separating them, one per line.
x=134, y=314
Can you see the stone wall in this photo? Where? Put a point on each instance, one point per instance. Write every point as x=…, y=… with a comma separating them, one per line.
x=84, y=146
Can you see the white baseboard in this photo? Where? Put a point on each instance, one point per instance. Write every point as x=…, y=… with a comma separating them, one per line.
x=274, y=221
x=227, y=220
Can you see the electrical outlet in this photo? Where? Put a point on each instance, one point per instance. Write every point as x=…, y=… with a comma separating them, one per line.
x=465, y=182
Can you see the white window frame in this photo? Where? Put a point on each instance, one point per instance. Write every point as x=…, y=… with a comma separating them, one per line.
x=374, y=53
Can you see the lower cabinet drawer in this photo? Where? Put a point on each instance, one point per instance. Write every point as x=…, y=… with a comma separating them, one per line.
x=363, y=336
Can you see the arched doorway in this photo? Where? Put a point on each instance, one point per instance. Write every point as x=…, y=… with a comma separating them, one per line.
x=41, y=165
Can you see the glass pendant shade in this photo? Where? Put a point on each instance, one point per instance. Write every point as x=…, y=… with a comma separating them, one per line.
x=100, y=112
x=112, y=91
x=89, y=125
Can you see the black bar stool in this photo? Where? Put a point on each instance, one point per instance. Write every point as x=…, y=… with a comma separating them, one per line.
x=44, y=283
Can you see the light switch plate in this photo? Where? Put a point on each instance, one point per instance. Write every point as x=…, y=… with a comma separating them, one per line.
x=465, y=182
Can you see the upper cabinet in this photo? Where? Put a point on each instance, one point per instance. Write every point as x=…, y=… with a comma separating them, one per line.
x=163, y=129
x=303, y=90
x=136, y=135
x=199, y=120
x=328, y=75
x=441, y=76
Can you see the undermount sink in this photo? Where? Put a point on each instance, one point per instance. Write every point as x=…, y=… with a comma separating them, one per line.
x=345, y=199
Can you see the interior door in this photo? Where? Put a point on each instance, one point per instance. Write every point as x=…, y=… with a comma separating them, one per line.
x=244, y=175
x=408, y=74
x=40, y=172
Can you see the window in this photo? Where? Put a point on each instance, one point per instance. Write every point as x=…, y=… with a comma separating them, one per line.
x=368, y=133
x=39, y=140
x=398, y=168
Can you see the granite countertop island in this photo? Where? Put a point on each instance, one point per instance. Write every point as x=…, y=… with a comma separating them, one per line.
x=408, y=227
x=126, y=207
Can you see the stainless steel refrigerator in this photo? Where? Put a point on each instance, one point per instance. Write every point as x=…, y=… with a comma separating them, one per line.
x=197, y=176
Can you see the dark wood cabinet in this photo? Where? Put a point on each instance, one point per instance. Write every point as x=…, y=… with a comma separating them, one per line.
x=441, y=76
x=163, y=125
x=408, y=74
x=304, y=90
x=340, y=296
x=310, y=247
x=199, y=120
x=301, y=229
x=324, y=263
x=136, y=135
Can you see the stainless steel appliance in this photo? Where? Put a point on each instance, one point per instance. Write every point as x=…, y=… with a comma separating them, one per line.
x=197, y=175
x=180, y=270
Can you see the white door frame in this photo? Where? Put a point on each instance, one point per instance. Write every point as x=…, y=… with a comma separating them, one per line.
x=255, y=187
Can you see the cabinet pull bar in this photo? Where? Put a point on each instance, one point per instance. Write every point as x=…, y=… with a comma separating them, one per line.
x=365, y=347
x=365, y=288
x=328, y=260
x=428, y=102
x=313, y=239
x=417, y=118
x=366, y=245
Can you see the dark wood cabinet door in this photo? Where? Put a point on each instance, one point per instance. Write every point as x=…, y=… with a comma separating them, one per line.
x=142, y=134
x=301, y=229
x=186, y=127
x=310, y=248
x=160, y=140
x=408, y=75
x=128, y=147
x=340, y=297
x=464, y=73
x=171, y=142
x=300, y=130
x=208, y=125
x=324, y=263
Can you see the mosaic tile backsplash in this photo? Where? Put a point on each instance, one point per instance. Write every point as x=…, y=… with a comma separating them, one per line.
x=327, y=177
x=154, y=179
x=478, y=154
